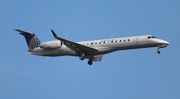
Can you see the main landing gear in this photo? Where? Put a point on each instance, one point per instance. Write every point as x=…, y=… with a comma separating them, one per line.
x=90, y=62
x=82, y=56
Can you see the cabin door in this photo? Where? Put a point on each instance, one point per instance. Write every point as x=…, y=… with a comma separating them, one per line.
x=135, y=41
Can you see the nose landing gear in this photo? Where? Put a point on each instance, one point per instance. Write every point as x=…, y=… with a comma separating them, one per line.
x=158, y=51
x=162, y=46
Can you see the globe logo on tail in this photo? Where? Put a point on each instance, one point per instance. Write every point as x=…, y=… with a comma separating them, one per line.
x=34, y=43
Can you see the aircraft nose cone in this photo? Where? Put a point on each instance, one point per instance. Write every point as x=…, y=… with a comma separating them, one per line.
x=163, y=42
x=166, y=42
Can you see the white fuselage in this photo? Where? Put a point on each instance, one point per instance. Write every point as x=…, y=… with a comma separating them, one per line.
x=105, y=46
x=92, y=50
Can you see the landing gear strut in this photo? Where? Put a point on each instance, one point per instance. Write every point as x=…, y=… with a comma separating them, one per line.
x=158, y=51
x=90, y=62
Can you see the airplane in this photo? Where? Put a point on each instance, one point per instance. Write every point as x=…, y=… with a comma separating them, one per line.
x=92, y=50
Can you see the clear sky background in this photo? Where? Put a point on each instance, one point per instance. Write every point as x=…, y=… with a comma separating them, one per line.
x=132, y=74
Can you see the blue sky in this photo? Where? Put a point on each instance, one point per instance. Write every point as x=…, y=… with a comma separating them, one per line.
x=132, y=74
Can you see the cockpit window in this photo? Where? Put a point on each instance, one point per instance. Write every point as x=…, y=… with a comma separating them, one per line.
x=151, y=37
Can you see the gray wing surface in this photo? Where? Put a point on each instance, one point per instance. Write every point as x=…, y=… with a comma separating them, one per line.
x=78, y=48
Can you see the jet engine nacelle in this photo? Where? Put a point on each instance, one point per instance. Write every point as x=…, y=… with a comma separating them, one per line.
x=51, y=45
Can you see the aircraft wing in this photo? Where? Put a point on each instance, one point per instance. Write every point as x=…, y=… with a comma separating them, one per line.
x=78, y=48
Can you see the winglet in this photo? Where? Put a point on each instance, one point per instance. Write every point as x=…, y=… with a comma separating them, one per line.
x=54, y=34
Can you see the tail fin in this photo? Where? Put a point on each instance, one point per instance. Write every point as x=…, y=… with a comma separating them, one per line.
x=31, y=39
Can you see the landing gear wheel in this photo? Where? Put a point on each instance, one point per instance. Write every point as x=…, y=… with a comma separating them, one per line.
x=82, y=56
x=90, y=62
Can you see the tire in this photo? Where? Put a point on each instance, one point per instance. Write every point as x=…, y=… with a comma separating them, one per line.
x=90, y=62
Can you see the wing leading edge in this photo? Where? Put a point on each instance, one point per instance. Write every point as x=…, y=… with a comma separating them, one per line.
x=78, y=48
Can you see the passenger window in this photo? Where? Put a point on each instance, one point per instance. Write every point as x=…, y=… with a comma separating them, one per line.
x=119, y=40
x=124, y=40
x=128, y=39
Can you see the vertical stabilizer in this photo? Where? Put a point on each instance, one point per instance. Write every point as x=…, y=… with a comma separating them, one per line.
x=31, y=39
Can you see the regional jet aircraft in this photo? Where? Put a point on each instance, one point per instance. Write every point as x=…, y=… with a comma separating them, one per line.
x=92, y=50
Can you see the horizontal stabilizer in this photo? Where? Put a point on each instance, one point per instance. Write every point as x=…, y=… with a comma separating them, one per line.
x=22, y=32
